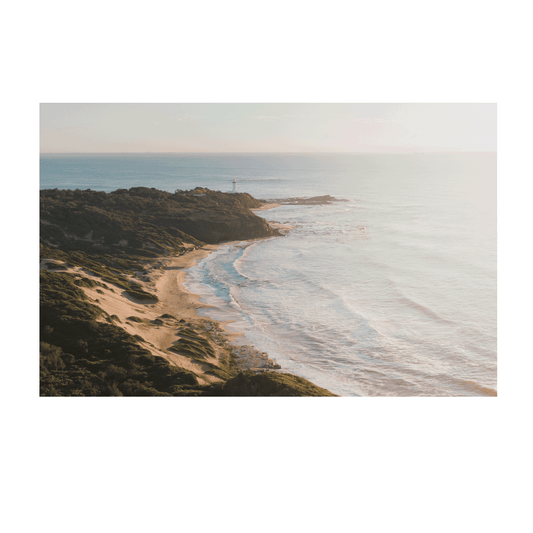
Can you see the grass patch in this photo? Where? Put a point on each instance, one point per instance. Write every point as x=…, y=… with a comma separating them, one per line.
x=193, y=344
x=271, y=384
x=139, y=294
x=135, y=319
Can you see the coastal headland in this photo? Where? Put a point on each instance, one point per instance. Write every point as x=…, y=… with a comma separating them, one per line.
x=115, y=318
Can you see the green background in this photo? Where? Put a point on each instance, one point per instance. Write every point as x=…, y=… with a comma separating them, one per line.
x=259, y=474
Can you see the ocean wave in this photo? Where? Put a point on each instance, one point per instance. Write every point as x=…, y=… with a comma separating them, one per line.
x=240, y=259
x=413, y=304
x=234, y=303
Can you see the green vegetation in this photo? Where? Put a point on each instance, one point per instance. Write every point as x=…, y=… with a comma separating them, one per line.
x=142, y=296
x=81, y=356
x=83, y=352
x=145, y=223
x=193, y=345
x=270, y=384
x=134, y=319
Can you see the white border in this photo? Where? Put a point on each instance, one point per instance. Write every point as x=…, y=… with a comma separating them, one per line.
x=30, y=98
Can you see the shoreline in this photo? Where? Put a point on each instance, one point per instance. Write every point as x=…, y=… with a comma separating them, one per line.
x=157, y=325
x=247, y=356
x=266, y=206
x=178, y=300
x=155, y=318
x=165, y=277
x=284, y=229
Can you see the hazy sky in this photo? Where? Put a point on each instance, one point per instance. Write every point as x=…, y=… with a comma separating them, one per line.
x=267, y=127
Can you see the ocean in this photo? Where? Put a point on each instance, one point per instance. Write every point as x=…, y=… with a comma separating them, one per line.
x=389, y=293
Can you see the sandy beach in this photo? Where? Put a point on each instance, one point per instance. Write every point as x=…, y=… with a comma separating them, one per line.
x=164, y=279
x=265, y=207
x=158, y=323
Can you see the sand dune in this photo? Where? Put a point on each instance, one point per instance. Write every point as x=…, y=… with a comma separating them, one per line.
x=164, y=279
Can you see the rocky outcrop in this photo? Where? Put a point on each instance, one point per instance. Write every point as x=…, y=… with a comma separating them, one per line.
x=315, y=200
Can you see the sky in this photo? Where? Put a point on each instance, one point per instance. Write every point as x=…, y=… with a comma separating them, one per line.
x=385, y=128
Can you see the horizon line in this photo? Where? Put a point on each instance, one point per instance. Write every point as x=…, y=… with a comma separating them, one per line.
x=337, y=152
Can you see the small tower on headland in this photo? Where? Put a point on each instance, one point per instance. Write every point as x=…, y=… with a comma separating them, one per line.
x=234, y=185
